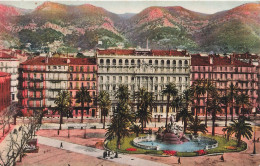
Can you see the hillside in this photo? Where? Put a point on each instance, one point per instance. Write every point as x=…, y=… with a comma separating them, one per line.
x=234, y=30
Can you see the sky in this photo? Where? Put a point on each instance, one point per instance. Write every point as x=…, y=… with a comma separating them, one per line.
x=129, y=6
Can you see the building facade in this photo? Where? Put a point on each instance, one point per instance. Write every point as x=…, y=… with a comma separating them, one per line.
x=151, y=69
x=223, y=71
x=41, y=79
x=10, y=64
x=5, y=91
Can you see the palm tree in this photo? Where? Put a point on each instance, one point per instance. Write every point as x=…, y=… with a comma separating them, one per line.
x=177, y=104
x=63, y=102
x=185, y=115
x=104, y=104
x=122, y=116
x=83, y=97
x=242, y=100
x=187, y=98
x=136, y=129
x=229, y=131
x=241, y=128
x=145, y=99
x=209, y=89
x=214, y=107
x=169, y=91
x=225, y=100
x=198, y=90
x=195, y=126
x=232, y=93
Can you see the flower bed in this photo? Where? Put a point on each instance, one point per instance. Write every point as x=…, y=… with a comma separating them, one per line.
x=169, y=152
x=131, y=149
x=201, y=152
x=231, y=147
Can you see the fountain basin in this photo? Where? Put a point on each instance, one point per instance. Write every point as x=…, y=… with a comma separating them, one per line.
x=191, y=146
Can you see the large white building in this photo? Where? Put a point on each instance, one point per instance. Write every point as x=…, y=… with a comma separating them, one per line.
x=10, y=64
x=152, y=69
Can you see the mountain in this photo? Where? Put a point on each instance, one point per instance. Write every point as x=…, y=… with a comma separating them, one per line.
x=82, y=26
x=165, y=27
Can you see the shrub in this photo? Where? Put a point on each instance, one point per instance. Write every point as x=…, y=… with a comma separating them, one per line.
x=201, y=152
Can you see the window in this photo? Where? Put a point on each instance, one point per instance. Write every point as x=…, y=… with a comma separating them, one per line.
x=101, y=62
x=71, y=68
x=161, y=109
x=162, y=62
x=132, y=62
x=180, y=63
x=174, y=62
x=82, y=84
x=138, y=62
x=168, y=63
x=155, y=109
x=150, y=62
x=114, y=62
x=81, y=68
x=54, y=67
x=70, y=85
x=59, y=67
x=186, y=62
x=120, y=62
x=126, y=62
x=101, y=79
x=108, y=62
x=156, y=62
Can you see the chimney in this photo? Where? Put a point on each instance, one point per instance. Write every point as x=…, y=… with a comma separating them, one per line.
x=211, y=60
x=232, y=58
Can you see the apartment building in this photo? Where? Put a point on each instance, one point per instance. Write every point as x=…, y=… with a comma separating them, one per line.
x=5, y=91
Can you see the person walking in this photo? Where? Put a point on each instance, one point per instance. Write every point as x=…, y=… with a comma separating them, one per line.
x=61, y=146
x=222, y=158
x=179, y=160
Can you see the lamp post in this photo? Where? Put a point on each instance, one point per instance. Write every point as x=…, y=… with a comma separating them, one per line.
x=254, y=151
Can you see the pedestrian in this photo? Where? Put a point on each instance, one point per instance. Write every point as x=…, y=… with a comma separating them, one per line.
x=116, y=155
x=61, y=146
x=257, y=139
x=179, y=160
x=222, y=158
x=171, y=120
x=108, y=153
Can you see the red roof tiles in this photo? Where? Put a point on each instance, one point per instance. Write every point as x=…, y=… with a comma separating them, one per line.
x=6, y=56
x=59, y=61
x=198, y=60
x=3, y=74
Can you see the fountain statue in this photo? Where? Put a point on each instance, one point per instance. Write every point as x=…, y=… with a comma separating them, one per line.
x=173, y=135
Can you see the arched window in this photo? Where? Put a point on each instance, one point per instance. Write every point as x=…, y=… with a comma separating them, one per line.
x=150, y=62
x=126, y=62
x=138, y=62
x=162, y=62
x=168, y=62
x=120, y=62
x=186, y=63
x=174, y=62
x=156, y=62
x=114, y=62
x=132, y=62
x=108, y=62
x=180, y=63
x=101, y=62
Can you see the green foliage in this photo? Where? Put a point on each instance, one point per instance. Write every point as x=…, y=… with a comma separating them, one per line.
x=195, y=126
x=39, y=37
x=80, y=55
x=82, y=97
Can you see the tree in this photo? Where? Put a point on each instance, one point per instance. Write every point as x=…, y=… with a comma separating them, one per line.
x=62, y=102
x=229, y=131
x=209, y=89
x=224, y=101
x=104, y=104
x=122, y=116
x=214, y=107
x=232, y=94
x=177, y=104
x=242, y=100
x=241, y=128
x=198, y=90
x=169, y=91
x=145, y=100
x=83, y=97
x=195, y=126
x=136, y=129
x=186, y=116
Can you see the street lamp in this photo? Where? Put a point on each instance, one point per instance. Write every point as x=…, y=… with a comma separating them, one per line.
x=254, y=151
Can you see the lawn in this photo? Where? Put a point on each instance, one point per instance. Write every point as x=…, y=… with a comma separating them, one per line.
x=223, y=146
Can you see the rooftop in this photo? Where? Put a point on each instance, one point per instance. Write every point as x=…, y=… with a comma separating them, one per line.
x=198, y=60
x=59, y=61
x=4, y=55
x=3, y=74
x=142, y=52
x=246, y=56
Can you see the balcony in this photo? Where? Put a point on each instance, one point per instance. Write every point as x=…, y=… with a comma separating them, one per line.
x=34, y=88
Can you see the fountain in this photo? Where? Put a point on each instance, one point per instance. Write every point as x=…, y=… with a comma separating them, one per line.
x=174, y=139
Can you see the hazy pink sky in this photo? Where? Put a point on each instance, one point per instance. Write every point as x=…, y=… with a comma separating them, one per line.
x=129, y=6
